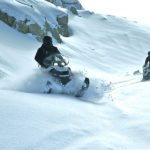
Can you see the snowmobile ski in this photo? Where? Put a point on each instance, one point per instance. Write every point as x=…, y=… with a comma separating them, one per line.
x=84, y=87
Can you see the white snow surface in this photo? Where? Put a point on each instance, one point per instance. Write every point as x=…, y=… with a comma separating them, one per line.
x=114, y=114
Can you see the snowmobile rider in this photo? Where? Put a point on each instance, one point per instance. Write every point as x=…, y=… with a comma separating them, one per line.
x=45, y=50
x=147, y=60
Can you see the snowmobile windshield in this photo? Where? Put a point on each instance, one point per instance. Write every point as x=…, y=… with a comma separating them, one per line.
x=56, y=60
x=60, y=60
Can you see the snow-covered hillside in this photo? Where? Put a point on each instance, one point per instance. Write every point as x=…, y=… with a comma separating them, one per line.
x=113, y=114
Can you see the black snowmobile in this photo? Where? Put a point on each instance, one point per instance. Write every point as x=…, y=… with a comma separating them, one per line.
x=146, y=72
x=58, y=68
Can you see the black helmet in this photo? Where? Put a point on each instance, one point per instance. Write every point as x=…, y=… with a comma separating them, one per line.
x=47, y=40
x=149, y=53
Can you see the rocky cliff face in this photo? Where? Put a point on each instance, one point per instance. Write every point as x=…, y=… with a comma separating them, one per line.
x=38, y=17
x=67, y=3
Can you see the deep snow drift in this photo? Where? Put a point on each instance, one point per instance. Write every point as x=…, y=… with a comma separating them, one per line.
x=114, y=114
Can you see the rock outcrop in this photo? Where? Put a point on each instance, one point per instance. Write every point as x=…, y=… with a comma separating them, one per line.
x=34, y=29
x=67, y=3
x=54, y=21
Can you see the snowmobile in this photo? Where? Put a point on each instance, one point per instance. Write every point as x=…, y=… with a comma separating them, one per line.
x=57, y=66
x=146, y=73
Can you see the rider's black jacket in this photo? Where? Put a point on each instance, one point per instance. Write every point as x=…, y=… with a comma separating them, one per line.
x=44, y=51
x=147, y=60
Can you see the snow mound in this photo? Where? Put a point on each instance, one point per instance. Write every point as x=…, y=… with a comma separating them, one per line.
x=35, y=11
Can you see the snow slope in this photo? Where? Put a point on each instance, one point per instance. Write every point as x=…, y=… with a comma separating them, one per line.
x=109, y=117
